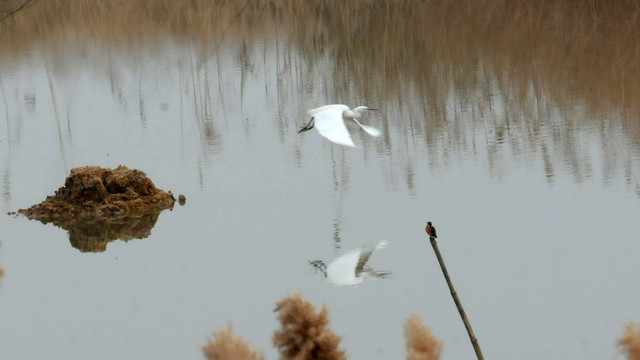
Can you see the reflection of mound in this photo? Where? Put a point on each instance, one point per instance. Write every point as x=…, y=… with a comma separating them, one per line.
x=93, y=235
x=98, y=205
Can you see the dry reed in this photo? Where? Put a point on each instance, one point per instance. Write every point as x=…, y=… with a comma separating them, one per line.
x=584, y=47
x=534, y=58
x=421, y=343
x=226, y=345
x=303, y=333
x=569, y=49
x=630, y=342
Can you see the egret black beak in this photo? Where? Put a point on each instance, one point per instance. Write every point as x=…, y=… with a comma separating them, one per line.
x=307, y=127
x=372, y=109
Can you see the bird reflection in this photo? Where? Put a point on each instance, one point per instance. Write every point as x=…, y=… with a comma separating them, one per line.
x=351, y=267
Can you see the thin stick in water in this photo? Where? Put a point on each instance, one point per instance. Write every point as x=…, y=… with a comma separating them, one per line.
x=463, y=315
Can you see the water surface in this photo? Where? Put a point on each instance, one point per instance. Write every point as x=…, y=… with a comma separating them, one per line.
x=530, y=175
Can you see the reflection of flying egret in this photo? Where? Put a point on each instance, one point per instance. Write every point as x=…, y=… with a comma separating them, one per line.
x=329, y=120
x=350, y=268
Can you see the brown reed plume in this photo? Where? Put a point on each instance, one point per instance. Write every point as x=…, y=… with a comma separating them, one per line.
x=421, y=343
x=226, y=345
x=303, y=333
x=630, y=341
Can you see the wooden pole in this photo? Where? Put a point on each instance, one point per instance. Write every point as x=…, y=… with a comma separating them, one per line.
x=463, y=315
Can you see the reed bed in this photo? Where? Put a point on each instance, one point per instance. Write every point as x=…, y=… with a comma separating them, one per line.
x=589, y=47
x=421, y=342
x=585, y=48
x=538, y=57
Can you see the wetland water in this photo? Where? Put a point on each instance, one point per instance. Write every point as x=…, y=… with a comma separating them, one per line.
x=526, y=158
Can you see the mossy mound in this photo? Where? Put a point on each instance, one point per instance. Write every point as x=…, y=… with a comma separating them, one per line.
x=97, y=205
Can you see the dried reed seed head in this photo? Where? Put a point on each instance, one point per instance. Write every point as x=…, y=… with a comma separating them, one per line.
x=226, y=345
x=303, y=333
x=630, y=341
x=421, y=343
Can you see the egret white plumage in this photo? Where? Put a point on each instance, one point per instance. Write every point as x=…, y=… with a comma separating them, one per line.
x=329, y=121
x=350, y=268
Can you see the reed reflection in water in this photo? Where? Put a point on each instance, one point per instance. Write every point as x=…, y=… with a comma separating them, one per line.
x=525, y=80
x=480, y=102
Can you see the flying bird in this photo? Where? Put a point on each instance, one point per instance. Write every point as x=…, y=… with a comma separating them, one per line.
x=431, y=230
x=329, y=121
x=350, y=268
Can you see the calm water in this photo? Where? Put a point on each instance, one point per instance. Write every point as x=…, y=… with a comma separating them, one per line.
x=535, y=201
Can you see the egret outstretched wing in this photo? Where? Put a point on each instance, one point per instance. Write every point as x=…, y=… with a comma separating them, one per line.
x=342, y=270
x=365, y=254
x=369, y=129
x=330, y=124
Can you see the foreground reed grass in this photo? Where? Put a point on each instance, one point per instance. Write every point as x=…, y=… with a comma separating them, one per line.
x=630, y=342
x=226, y=345
x=303, y=333
x=421, y=343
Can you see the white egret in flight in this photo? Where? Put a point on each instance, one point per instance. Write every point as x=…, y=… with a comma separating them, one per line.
x=350, y=268
x=329, y=121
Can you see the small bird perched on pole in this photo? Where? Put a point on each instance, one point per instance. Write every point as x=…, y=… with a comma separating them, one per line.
x=431, y=230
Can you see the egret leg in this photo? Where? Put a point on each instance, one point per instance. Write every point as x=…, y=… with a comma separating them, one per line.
x=320, y=265
x=307, y=127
